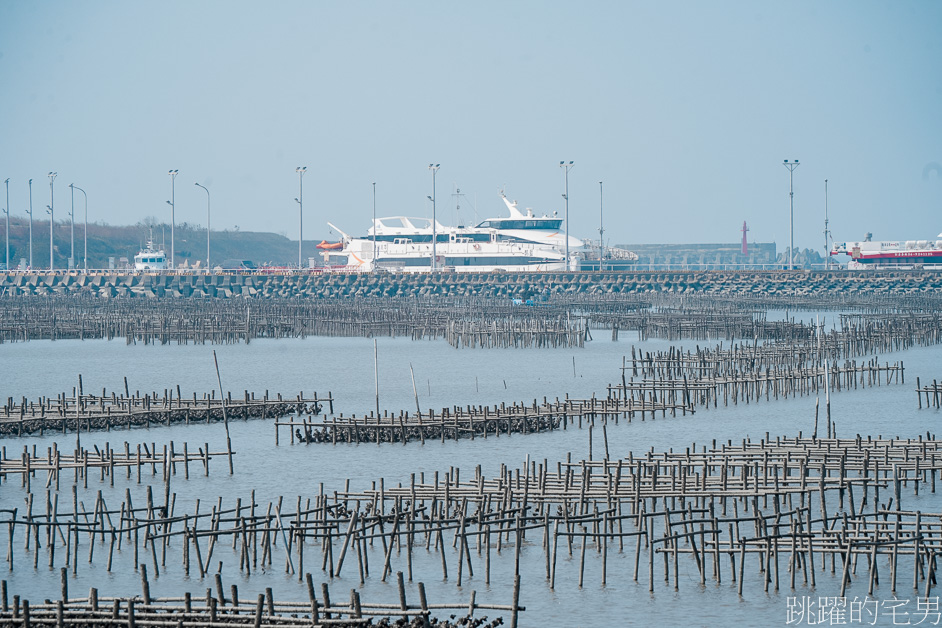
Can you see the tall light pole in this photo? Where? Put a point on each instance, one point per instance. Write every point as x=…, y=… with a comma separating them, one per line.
x=52, y=223
x=791, y=165
x=601, y=229
x=72, y=225
x=207, y=223
x=85, y=253
x=374, y=227
x=49, y=211
x=567, y=166
x=434, y=168
x=173, y=209
x=300, y=170
x=827, y=232
x=6, y=210
x=30, y=212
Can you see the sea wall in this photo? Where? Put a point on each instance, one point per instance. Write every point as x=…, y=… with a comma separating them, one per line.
x=780, y=283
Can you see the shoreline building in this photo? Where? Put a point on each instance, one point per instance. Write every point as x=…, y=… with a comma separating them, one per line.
x=758, y=256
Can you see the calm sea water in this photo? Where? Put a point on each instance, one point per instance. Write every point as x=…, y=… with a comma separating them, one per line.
x=444, y=377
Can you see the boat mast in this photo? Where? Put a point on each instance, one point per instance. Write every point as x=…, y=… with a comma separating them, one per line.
x=457, y=196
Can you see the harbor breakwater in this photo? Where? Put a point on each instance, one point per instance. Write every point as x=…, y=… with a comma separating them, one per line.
x=520, y=285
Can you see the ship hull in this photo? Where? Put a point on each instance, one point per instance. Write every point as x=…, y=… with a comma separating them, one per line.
x=457, y=257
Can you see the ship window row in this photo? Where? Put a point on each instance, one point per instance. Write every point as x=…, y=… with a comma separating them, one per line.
x=440, y=237
x=901, y=261
x=548, y=223
x=471, y=237
x=466, y=261
x=497, y=261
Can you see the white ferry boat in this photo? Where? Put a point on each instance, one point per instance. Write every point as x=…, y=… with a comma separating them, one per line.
x=404, y=244
x=527, y=227
x=150, y=258
x=520, y=242
x=901, y=255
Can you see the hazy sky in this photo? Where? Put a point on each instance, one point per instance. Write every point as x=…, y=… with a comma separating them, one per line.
x=685, y=110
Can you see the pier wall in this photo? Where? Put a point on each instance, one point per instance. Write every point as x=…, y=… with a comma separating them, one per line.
x=523, y=285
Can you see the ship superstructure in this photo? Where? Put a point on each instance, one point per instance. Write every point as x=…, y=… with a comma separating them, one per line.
x=900, y=254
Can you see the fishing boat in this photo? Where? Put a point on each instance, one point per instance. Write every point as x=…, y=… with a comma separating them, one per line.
x=150, y=258
x=897, y=254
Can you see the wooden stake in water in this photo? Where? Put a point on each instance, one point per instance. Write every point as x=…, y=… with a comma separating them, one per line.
x=225, y=419
x=78, y=423
x=376, y=375
x=827, y=401
x=817, y=402
x=415, y=392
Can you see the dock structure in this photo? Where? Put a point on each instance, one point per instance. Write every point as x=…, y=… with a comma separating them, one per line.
x=476, y=421
x=932, y=393
x=468, y=321
x=708, y=375
x=797, y=284
x=671, y=382
x=107, y=461
x=666, y=381
x=226, y=608
x=78, y=411
x=473, y=323
x=817, y=511
x=792, y=506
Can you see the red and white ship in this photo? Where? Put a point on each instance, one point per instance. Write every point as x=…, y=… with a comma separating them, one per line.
x=899, y=254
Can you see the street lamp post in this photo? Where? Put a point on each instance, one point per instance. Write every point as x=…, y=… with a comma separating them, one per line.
x=49, y=211
x=827, y=232
x=434, y=168
x=30, y=212
x=601, y=230
x=72, y=226
x=207, y=224
x=374, y=227
x=567, y=166
x=791, y=212
x=85, y=250
x=300, y=170
x=52, y=223
x=173, y=209
x=6, y=210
